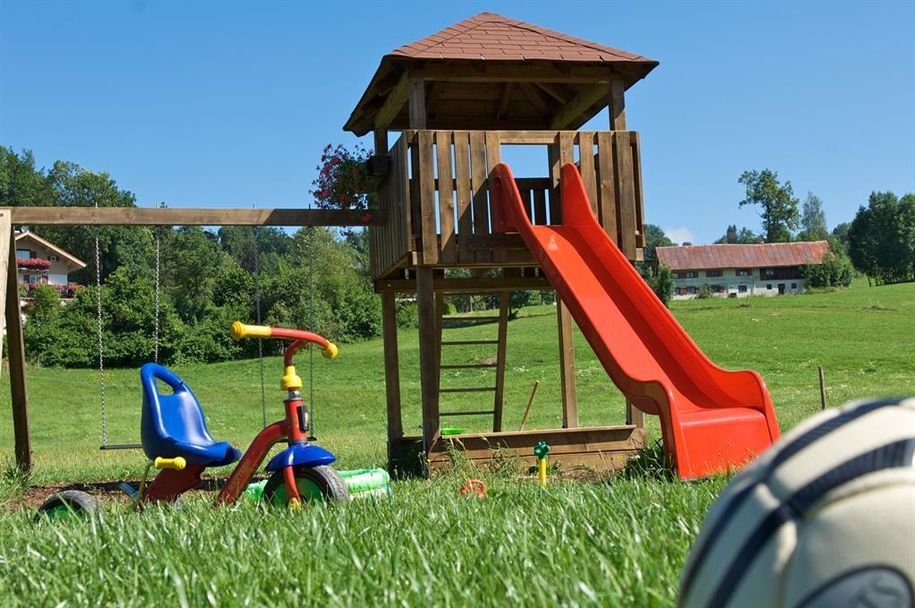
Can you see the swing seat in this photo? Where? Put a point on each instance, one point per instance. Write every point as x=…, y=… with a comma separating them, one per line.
x=173, y=425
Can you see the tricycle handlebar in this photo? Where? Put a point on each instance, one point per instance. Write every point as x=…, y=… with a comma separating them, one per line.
x=240, y=330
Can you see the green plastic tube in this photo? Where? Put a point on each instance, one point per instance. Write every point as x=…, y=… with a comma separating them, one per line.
x=367, y=483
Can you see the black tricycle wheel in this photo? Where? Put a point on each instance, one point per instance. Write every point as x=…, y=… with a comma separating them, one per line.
x=68, y=504
x=313, y=483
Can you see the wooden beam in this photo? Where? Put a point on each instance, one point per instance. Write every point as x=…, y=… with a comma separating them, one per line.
x=634, y=415
x=572, y=111
x=499, y=401
x=16, y=356
x=381, y=142
x=506, y=99
x=567, y=366
x=554, y=90
x=5, y=242
x=428, y=354
x=391, y=369
x=470, y=285
x=600, y=448
x=137, y=216
x=393, y=104
x=617, y=106
x=417, y=103
x=534, y=96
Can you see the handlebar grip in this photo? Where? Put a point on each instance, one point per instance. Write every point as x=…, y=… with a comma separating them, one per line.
x=330, y=352
x=178, y=463
x=240, y=330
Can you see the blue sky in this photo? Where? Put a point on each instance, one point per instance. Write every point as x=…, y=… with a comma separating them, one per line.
x=229, y=104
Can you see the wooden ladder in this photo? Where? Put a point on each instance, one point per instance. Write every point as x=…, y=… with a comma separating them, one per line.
x=498, y=386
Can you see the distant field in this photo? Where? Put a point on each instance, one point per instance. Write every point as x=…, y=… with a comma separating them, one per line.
x=622, y=542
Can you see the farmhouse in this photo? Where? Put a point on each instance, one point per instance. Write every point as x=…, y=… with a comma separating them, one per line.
x=40, y=262
x=734, y=270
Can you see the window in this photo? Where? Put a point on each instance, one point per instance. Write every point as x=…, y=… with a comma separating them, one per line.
x=780, y=274
x=717, y=288
x=794, y=286
x=681, y=291
x=742, y=288
x=744, y=272
x=768, y=285
x=686, y=274
x=690, y=290
x=53, y=258
x=714, y=273
x=23, y=254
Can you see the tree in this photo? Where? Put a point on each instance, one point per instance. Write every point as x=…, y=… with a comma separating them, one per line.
x=840, y=233
x=21, y=184
x=813, y=220
x=743, y=236
x=881, y=238
x=662, y=283
x=654, y=238
x=835, y=271
x=776, y=202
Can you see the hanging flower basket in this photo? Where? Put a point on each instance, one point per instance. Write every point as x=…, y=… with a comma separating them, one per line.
x=33, y=264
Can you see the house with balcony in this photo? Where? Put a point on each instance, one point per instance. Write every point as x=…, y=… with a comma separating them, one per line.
x=738, y=270
x=40, y=262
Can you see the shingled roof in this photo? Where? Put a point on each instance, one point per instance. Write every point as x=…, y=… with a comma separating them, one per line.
x=764, y=255
x=543, y=72
x=488, y=36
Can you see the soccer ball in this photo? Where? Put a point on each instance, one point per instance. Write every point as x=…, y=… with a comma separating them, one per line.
x=825, y=518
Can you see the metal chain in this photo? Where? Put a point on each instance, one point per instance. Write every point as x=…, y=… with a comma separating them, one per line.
x=311, y=327
x=257, y=305
x=156, y=301
x=101, y=340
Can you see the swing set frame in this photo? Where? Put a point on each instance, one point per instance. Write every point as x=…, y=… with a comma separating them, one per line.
x=10, y=217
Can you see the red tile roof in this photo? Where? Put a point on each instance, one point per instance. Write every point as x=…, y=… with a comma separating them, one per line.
x=494, y=37
x=766, y=255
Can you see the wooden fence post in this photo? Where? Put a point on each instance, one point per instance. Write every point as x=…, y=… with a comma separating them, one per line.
x=16, y=345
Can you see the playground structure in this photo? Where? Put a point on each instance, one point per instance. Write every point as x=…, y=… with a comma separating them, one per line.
x=457, y=98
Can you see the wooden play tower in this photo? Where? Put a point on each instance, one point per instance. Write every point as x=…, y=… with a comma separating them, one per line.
x=457, y=97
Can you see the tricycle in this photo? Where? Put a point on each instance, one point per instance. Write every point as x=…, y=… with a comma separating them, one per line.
x=176, y=440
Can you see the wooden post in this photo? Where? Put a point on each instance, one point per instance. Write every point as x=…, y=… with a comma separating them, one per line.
x=500, y=361
x=634, y=415
x=617, y=106
x=391, y=369
x=428, y=354
x=381, y=142
x=822, y=387
x=5, y=238
x=16, y=344
x=416, y=103
x=563, y=316
x=566, y=366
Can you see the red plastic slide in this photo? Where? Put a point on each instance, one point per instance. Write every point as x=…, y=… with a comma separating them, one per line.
x=711, y=419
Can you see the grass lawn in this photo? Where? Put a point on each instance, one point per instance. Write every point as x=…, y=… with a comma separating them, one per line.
x=621, y=542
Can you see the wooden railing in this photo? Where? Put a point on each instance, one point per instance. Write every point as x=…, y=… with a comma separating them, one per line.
x=436, y=195
x=392, y=242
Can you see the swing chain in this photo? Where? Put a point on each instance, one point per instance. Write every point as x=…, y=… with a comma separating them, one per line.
x=156, y=295
x=311, y=327
x=257, y=305
x=101, y=341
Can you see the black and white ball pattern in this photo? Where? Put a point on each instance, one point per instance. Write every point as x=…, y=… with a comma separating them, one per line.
x=825, y=518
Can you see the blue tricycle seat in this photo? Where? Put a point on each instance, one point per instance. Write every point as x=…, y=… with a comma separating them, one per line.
x=174, y=425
